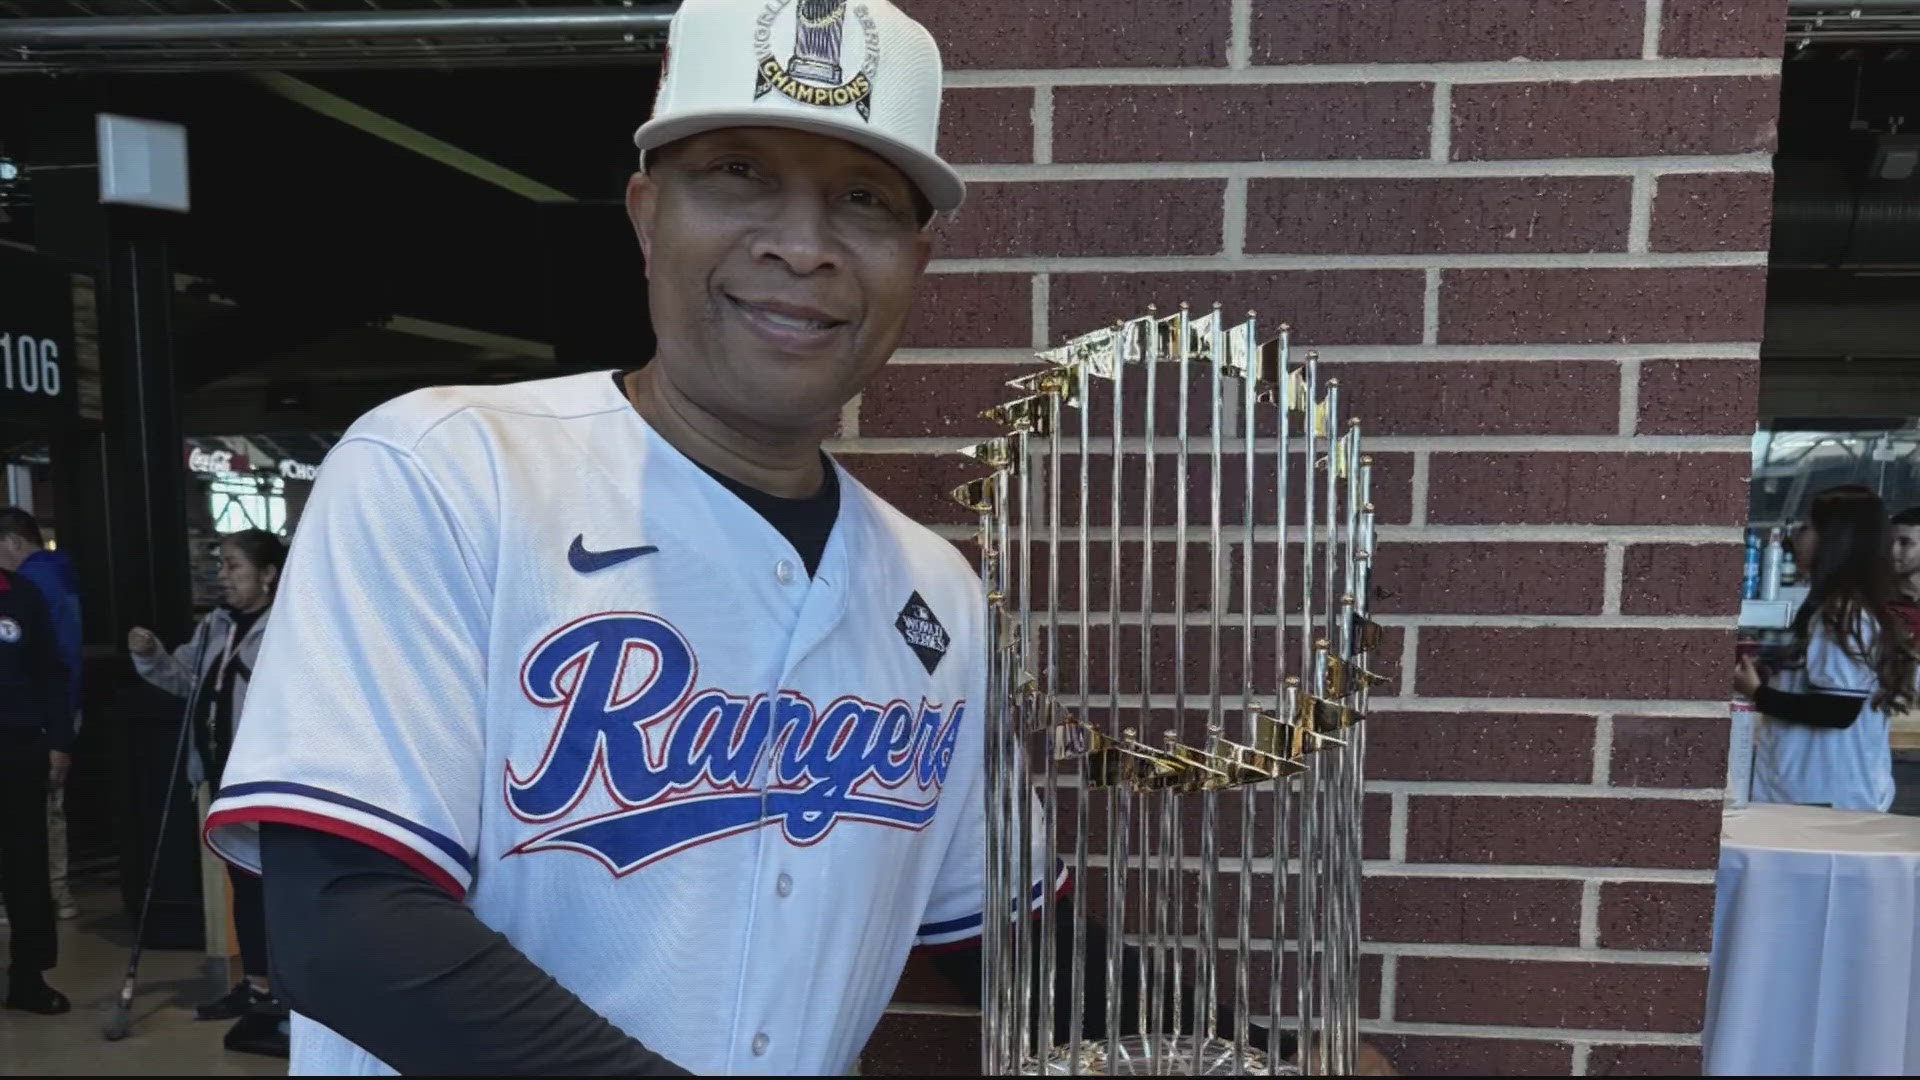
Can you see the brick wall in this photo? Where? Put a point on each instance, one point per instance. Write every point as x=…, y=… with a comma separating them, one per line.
x=1530, y=236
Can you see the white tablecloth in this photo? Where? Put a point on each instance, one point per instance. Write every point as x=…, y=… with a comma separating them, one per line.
x=1816, y=945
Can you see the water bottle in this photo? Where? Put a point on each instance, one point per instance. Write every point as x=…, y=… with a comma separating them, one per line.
x=1750, y=588
x=1772, y=559
x=1743, y=716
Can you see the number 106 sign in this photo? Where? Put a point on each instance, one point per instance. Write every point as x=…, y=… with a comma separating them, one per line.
x=29, y=364
x=37, y=348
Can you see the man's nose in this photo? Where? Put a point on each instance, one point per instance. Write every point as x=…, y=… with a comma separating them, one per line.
x=801, y=236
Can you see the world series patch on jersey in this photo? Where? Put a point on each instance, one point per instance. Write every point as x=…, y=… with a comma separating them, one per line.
x=532, y=650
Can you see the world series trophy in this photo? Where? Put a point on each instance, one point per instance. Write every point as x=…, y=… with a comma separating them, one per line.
x=1097, y=709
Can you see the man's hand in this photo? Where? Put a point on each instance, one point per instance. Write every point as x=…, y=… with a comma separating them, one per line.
x=1746, y=677
x=142, y=642
x=58, y=763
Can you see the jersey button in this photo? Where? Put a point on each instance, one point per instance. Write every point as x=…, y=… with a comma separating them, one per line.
x=760, y=1044
x=783, y=570
x=784, y=885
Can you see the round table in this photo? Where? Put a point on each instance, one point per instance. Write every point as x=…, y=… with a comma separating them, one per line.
x=1816, y=944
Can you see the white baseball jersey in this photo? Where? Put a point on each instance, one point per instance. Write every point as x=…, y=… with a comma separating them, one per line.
x=532, y=650
x=1849, y=768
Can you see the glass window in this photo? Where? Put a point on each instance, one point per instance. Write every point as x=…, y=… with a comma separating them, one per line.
x=240, y=501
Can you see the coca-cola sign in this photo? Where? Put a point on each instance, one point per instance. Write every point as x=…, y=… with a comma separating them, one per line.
x=298, y=470
x=215, y=462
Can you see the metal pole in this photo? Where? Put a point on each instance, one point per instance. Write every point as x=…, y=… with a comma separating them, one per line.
x=316, y=25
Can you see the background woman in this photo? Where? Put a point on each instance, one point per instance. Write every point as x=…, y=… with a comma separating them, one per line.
x=223, y=647
x=1823, y=737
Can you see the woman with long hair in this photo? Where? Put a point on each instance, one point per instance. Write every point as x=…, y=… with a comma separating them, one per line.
x=223, y=647
x=1823, y=737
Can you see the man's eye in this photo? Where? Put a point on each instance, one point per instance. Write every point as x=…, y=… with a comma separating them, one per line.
x=864, y=197
x=734, y=168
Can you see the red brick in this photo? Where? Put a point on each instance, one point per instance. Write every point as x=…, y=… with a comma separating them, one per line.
x=1342, y=307
x=1542, y=831
x=1530, y=993
x=1439, y=1055
x=1241, y=122
x=1490, y=579
x=1471, y=911
x=1226, y=896
x=908, y=1044
x=1588, y=489
x=1164, y=674
x=1669, y=751
x=972, y=311
x=1392, y=489
x=1636, y=1060
x=1260, y=976
x=1523, y=397
x=1602, y=307
x=1713, y=212
x=1731, y=28
x=1699, y=397
x=1615, y=118
x=1497, y=747
x=1681, y=579
x=988, y=124
x=1561, y=662
x=1087, y=218
x=918, y=484
x=1391, y=217
x=922, y=983
x=1426, y=31
x=1376, y=822
x=935, y=400
x=1047, y=34
x=1663, y=916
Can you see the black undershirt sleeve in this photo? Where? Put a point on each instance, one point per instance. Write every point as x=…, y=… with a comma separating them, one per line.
x=1833, y=711
x=367, y=946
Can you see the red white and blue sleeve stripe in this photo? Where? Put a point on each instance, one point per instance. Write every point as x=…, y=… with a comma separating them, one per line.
x=240, y=808
x=965, y=932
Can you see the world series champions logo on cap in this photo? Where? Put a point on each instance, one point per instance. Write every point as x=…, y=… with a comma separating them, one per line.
x=815, y=73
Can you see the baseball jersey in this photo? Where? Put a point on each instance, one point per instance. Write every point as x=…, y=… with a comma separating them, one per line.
x=1848, y=768
x=532, y=650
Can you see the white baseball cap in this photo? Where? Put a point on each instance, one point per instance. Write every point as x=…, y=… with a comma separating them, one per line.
x=858, y=70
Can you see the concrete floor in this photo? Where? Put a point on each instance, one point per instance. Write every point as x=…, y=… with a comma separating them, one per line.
x=165, y=1040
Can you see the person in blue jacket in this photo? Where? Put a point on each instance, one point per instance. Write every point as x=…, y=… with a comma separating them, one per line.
x=23, y=550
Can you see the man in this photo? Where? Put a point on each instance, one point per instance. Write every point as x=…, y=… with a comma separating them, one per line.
x=23, y=550
x=1905, y=550
x=586, y=738
x=36, y=735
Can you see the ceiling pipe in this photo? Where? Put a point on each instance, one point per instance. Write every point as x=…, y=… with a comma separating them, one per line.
x=1844, y=8
x=320, y=25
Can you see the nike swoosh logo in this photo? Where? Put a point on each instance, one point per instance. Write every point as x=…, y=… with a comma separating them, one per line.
x=586, y=562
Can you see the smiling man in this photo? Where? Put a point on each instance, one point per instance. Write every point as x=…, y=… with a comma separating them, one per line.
x=605, y=724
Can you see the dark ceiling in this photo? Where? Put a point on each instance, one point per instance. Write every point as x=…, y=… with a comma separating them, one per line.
x=487, y=202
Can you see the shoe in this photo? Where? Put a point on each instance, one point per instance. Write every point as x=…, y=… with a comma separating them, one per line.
x=239, y=1001
x=32, y=994
x=264, y=1030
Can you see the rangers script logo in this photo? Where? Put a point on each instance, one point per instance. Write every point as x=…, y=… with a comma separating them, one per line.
x=816, y=71
x=640, y=765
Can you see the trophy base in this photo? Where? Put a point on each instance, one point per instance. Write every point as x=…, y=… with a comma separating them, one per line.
x=1167, y=1055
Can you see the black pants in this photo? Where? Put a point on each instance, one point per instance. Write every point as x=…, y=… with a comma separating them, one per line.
x=249, y=921
x=24, y=883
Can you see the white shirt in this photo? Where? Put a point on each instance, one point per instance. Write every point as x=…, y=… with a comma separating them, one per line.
x=606, y=752
x=1848, y=768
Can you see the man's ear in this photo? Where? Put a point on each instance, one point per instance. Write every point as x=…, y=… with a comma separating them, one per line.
x=923, y=254
x=643, y=207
